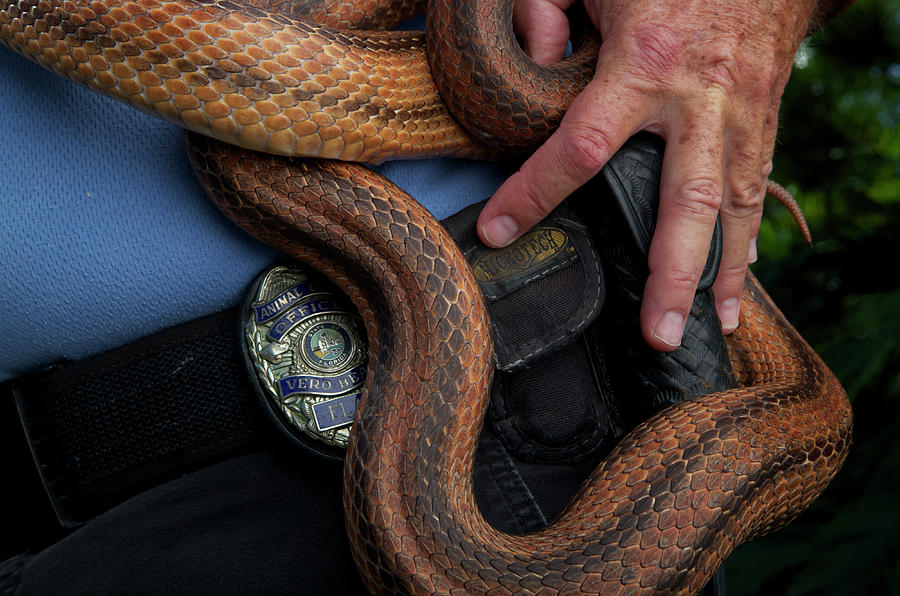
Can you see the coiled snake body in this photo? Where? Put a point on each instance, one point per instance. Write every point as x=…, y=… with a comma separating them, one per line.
x=662, y=510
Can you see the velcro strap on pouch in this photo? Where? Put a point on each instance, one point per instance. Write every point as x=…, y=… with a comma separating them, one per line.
x=542, y=290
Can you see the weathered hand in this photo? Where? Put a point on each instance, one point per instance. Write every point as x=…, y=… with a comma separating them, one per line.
x=707, y=76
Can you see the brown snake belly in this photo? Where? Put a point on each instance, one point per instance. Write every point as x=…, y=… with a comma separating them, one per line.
x=662, y=510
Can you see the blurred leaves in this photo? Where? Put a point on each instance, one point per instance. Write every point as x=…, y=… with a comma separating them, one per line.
x=839, y=153
x=868, y=340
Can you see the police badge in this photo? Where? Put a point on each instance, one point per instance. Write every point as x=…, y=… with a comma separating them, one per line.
x=306, y=347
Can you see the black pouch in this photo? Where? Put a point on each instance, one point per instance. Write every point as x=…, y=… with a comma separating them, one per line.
x=573, y=373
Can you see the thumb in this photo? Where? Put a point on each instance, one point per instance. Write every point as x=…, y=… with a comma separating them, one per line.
x=543, y=28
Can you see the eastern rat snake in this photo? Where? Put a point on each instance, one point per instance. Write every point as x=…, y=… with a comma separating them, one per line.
x=663, y=509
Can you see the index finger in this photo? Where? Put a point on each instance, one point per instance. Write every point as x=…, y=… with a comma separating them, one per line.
x=597, y=124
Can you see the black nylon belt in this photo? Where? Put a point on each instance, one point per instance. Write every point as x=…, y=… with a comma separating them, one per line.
x=106, y=428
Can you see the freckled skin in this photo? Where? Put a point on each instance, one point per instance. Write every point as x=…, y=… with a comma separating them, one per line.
x=707, y=75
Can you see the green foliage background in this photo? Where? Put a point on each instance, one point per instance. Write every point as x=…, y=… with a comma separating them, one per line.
x=839, y=152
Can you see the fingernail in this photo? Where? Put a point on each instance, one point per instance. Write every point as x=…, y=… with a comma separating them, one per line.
x=670, y=328
x=729, y=313
x=751, y=254
x=500, y=231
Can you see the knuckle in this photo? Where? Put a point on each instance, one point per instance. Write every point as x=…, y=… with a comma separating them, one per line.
x=700, y=199
x=679, y=277
x=681, y=280
x=659, y=50
x=722, y=72
x=737, y=74
x=728, y=69
x=730, y=281
x=586, y=151
x=731, y=275
x=534, y=204
x=746, y=198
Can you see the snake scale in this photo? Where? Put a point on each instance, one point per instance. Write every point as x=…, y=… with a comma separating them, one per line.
x=671, y=501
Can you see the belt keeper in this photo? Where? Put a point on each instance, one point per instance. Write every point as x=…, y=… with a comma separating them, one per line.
x=34, y=425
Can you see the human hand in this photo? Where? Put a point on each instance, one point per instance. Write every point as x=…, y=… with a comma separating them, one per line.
x=707, y=76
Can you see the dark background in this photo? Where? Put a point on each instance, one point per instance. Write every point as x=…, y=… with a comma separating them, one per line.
x=839, y=153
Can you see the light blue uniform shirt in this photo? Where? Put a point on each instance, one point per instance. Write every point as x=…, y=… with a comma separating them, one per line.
x=106, y=234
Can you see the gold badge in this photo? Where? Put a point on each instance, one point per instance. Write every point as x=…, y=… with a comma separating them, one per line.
x=306, y=344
